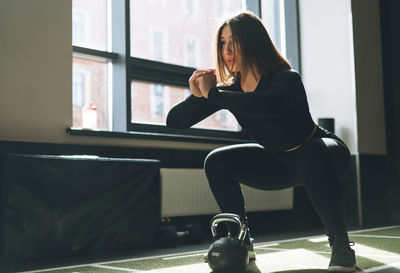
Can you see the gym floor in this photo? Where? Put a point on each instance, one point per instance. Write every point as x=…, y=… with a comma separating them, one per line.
x=377, y=250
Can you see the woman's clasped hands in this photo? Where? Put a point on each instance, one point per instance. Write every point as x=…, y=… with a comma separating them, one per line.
x=201, y=81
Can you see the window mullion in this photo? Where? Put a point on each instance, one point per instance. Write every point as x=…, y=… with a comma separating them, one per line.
x=119, y=34
x=254, y=6
x=292, y=33
x=153, y=71
x=94, y=52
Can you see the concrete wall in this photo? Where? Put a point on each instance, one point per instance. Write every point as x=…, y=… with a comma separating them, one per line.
x=35, y=73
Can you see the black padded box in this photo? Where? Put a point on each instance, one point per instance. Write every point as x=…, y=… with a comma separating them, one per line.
x=66, y=206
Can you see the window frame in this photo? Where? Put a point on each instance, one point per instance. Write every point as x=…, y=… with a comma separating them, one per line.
x=126, y=69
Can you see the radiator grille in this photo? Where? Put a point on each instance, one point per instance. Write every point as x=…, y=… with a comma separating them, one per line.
x=185, y=192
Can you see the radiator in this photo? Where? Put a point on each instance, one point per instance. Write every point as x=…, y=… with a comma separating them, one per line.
x=185, y=192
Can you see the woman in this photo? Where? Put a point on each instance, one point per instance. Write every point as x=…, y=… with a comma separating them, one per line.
x=267, y=97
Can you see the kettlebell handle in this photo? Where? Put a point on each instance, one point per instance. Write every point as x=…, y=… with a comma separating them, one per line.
x=229, y=217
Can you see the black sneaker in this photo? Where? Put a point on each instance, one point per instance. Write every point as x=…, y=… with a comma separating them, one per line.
x=343, y=258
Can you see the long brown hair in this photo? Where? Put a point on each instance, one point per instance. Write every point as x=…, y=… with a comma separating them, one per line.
x=256, y=47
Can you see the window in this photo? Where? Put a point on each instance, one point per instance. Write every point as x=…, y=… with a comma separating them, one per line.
x=89, y=85
x=90, y=69
x=176, y=45
x=89, y=23
x=133, y=58
x=159, y=44
x=78, y=87
x=78, y=26
x=220, y=4
x=192, y=52
x=224, y=7
x=159, y=100
x=190, y=6
x=158, y=2
x=222, y=116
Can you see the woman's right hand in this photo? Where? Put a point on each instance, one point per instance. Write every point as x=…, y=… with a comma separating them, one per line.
x=194, y=87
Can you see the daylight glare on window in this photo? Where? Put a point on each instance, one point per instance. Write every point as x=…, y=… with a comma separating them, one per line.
x=151, y=103
x=89, y=23
x=182, y=33
x=165, y=39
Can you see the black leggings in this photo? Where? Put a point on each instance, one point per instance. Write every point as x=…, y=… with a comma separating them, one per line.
x=319, y=164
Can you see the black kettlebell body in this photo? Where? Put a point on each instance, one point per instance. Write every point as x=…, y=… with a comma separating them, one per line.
x=228, y=254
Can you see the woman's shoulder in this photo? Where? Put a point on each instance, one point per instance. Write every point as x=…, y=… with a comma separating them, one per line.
x=286, y=74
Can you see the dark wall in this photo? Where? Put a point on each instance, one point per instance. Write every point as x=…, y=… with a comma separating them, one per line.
x=390, y=24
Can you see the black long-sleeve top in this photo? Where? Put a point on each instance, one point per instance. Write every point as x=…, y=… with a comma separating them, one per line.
x=276, y=114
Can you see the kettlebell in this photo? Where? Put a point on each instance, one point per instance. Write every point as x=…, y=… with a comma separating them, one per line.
x=228, y=254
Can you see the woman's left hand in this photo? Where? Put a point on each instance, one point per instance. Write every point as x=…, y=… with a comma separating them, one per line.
x=206, y=82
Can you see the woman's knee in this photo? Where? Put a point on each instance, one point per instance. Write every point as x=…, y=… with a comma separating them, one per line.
x=214, y=159
x=230, y=155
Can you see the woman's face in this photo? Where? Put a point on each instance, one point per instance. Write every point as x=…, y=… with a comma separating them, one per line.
x=230, y=50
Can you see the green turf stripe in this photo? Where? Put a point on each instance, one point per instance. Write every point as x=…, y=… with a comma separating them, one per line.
x=387, y=268
x=376, y=236
x=389, y=248
x=386, y=232
x=376, y=230
x=374, y=248
x=118, y=269
x=392, y=246
x=156, y=256
x=84, y=269
x=159, y=263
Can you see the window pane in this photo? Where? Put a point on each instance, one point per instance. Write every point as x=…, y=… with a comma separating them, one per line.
x=152, y=102
x=181, y=33
x=89, y=24
x=89, y=88
x=272, y=12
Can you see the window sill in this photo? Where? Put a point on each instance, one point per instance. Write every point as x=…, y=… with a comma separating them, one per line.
x=153, y=136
